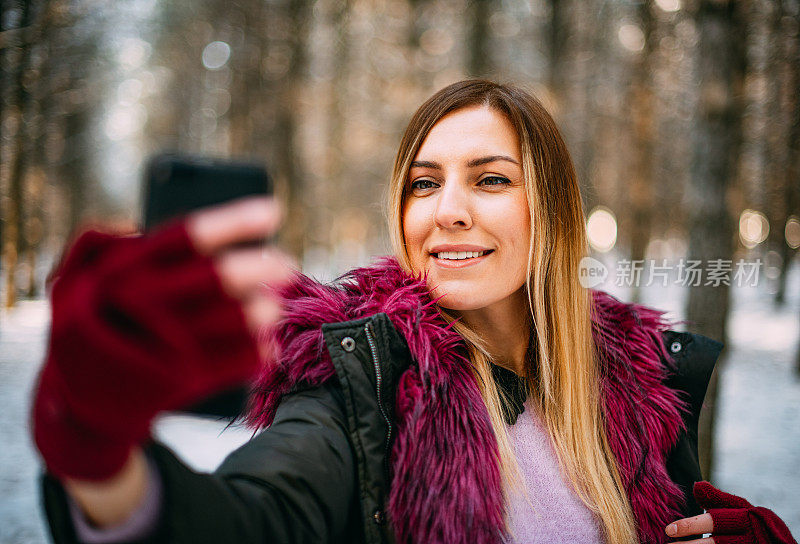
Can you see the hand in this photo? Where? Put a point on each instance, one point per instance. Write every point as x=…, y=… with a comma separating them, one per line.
x=244, y=273
x=150, y=323
x=730, y=520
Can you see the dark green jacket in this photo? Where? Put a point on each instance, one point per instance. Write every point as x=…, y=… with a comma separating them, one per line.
x=319, y=473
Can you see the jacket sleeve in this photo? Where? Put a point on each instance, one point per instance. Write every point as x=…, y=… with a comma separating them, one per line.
x=293, y=483
x=694, y=359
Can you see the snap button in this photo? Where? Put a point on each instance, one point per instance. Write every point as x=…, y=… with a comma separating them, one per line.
x=378, y=517
x=675, y=347
x=348, y=344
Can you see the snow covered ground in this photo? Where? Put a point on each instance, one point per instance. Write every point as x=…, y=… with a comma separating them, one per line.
x=758, y=431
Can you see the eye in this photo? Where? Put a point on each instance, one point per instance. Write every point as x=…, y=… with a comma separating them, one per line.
x=494, y=180
x=423, y=184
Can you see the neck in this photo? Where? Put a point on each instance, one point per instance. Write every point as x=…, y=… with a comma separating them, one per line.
x=505, y=328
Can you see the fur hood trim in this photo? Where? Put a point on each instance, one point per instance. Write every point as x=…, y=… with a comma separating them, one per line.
x=643, y=416
x=446, y=482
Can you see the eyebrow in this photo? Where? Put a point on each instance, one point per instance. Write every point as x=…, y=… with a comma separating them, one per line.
x=471, y=164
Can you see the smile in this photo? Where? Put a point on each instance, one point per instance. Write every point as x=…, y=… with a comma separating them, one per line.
x=459, y=255
x=458, y=259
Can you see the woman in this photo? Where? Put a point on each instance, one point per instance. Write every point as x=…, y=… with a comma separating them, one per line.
x=468, y=391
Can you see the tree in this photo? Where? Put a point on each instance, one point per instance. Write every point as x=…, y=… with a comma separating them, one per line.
x=557, y=43
x=22, y=60
x=720, y=70
x=787, y=173
x=643, y=116
x=288, y=163
x=479, y=52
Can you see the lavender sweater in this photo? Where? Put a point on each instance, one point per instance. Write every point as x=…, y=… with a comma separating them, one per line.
x=554, y=514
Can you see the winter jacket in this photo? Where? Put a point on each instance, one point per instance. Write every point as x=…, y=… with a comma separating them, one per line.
x=376, y=431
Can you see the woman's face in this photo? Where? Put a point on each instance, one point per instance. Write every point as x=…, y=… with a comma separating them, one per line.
x=465, y=219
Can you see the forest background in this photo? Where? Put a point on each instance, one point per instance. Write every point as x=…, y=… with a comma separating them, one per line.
x=682, y=117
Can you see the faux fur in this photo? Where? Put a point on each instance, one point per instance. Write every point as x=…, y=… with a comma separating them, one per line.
x=643, y=416
x=446, y=485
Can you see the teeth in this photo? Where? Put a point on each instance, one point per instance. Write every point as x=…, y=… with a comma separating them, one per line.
x=459, y=255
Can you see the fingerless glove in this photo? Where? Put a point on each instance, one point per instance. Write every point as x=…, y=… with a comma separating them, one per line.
x=139, y=325
x=736, y=521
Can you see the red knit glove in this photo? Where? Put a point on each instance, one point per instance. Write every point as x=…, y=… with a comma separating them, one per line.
x=736, y=521
x=140, y=325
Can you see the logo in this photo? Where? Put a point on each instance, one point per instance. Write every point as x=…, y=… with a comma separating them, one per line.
x=591, y=272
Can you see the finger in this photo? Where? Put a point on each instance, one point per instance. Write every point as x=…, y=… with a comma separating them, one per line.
x=243, y=220
x=244, y=272
x=261, y=312
x=696, y=525
x=708, y=540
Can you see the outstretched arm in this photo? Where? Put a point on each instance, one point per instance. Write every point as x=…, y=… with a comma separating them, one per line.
x=145, y=324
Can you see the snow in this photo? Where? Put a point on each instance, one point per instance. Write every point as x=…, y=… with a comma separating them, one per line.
x=757, y=440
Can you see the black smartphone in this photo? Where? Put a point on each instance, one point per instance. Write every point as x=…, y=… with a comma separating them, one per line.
x=176, y=184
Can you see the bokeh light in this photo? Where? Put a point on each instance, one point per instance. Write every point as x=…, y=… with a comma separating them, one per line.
x=436, y=41
x=631, y=37
x=601, y=229
x=669, y=5
x=125, y=121
x=216, y=55
x=753, y=228
x=133, y=53
x=792, y=232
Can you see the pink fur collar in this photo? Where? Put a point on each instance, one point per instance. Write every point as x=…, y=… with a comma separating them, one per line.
x=440, y=416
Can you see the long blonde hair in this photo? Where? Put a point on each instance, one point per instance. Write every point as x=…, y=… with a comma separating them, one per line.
x=564, y=381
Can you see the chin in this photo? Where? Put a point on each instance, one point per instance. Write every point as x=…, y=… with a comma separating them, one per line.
x=449, y=303
x=459, y=297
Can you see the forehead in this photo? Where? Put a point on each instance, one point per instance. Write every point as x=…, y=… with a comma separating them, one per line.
x=467, y=132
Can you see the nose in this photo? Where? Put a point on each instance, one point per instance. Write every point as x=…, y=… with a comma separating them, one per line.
x=453, y=208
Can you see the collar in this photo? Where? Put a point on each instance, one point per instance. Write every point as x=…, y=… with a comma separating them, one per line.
x=513, y=392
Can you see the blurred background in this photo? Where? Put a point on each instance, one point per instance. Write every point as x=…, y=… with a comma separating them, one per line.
x=682, y=117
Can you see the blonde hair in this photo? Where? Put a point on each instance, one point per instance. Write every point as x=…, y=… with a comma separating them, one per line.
x=564, y=382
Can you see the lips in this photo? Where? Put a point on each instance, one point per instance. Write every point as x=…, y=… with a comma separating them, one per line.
x=458, y=248
x=459, y=256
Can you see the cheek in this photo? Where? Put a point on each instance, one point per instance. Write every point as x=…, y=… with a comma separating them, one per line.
x=415, y=228
x=522, y=232
x=517, y=231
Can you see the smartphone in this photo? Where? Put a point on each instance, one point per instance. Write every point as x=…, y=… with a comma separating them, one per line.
x=176, y=184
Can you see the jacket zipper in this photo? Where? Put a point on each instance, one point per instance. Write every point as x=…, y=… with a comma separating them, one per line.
x=373, y=347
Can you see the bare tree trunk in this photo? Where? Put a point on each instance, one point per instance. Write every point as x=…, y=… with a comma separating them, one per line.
x=337, y=164
x=557, y=44
x=717, y=138
x=74, y=165
x=288, y=164
x=791, y=174
x=32, y=221
x=642, y=106
x=33, y=231
x=251, y=94
x=6, y=76
x=792, y=182
x=12, y=210
x=479, y=51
